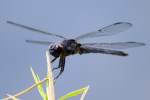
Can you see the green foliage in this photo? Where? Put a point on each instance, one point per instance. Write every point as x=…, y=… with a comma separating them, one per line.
x=82, y=91
x=40, y=86
x=49, y=94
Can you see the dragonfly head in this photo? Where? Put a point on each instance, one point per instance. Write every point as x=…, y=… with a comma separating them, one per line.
x=55, y=49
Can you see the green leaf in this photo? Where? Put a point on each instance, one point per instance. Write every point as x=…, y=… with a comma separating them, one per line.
x=75, y=93
x=40, y=86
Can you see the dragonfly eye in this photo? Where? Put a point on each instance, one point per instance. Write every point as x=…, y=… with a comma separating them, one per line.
x=55, y=46
x=52, y=47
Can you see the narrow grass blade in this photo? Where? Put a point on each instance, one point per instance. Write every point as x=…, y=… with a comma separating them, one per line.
x=27, y=90
x=40, y=86
x=82, y=91
x=12, y=97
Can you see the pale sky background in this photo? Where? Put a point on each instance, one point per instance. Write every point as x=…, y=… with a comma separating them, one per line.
x=109, y=77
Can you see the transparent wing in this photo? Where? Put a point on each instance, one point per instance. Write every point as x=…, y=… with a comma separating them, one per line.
x=34, y=29
x=87, y=49
x=39, y=42
x=106, y=31
x=117, y=45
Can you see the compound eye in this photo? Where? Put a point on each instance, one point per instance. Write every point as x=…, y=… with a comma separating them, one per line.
x=52, y=47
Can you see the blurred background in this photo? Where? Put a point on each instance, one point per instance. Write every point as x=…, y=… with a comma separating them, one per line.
x=110, y=77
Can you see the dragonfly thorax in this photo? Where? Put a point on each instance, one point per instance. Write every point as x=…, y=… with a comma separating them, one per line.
x=70, y=46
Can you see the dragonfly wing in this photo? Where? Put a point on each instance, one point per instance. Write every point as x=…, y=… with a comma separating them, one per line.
x=107, y=31
x=116, y=45
x=39, y=42
x=34, y=29
x=86, y=50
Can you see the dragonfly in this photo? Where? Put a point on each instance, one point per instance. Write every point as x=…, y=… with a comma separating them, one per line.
x=69, y=47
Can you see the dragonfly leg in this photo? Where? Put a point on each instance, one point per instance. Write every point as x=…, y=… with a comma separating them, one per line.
x=53, y=59
x=61, y=65
x=61, y=71
x=55, y=68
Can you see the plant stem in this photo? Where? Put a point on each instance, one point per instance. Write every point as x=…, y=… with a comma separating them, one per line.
x=50, y=85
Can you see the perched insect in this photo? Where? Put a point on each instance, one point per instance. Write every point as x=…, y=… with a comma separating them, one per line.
x=71, y=46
